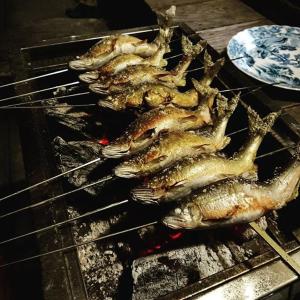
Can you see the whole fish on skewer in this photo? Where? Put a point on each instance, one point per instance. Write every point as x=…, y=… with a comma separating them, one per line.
x=236, y=200
x=195, y=172
x=155, y=94
x=145, y=129
x=114, y=45
x=139, y=74
x=123, y=61
x=176, y=145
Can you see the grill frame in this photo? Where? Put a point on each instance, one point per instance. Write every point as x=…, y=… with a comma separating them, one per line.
x=40, y=164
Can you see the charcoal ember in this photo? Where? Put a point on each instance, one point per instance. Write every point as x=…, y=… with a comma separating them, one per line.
x=73, y=154
x=76, y=120
x=160, y=274
x=100, y=263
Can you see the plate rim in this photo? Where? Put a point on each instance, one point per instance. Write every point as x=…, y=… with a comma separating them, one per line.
x=251, y=74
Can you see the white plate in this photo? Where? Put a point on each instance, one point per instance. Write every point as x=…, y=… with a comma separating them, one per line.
x=269, y=53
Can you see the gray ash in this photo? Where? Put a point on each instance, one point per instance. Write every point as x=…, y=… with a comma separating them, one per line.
x=73, y=154
x=100, y=263
x=78, y=122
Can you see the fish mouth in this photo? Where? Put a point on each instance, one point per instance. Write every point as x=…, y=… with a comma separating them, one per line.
x=107, y=104
x=89, y=77
x=116, y=151
x=126, y=171
x=99, y=88
x=81, y=64
x=144, y=195
x=176, y=222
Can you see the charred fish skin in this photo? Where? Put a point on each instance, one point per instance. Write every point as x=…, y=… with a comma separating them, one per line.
x=107, y=49
x=112, y=46
x=173, y=146
x=139, y=74
x=235, y=201
x=195, y=172
x=123, y=61
x=144, y=130
x=156, y=94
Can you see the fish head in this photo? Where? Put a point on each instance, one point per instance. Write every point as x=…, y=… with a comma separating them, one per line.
x=100, y=86
x=117, y=149
x=147, y=195
x=85, y=63
x=89, y=77
x=184, y=216
x=128, y=169
x=115, y=102
x=148, y=162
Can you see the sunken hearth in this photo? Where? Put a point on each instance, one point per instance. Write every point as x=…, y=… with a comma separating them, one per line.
x=153, y=261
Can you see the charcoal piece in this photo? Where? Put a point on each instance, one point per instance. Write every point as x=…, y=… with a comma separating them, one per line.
x=100, y=263
x=73, y=154
x=76, y=120
x=160, y=274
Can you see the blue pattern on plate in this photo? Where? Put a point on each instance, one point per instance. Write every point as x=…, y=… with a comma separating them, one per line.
x=268, y=53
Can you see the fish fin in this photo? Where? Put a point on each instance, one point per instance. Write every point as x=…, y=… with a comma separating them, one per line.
x=192, y=50
x=147, y=134
x=179, y=183
x=189, y=118
x=258, y=125
x=159, y=159
x=201, y=147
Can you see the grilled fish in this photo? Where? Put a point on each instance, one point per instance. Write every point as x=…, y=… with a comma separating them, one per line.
x=145, y=129
x=176, y=145
x=155, y=94
x=114, y=45
x=195, y=172
x=135, y=75
x=123, y=61
x=236, y=201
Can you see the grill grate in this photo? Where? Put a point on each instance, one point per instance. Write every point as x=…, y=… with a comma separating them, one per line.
x=104, y=269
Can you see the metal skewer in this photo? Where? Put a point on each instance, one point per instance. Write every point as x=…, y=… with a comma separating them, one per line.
x=34, y=78
x=68, y=221
x=54, y=198
x=49, y=179
x=47, y=106
x=48, y=99
x=276, y=247
x=40, y=91
x=93, y=212
x=78, y=245
x=77, y=168
x=254, y=226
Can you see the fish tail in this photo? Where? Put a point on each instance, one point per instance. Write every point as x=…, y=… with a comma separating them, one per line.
x=192, y=50
x=211, y=69
x=225, y=107
x=166, y=19
x=258, y=125
x=207, y=94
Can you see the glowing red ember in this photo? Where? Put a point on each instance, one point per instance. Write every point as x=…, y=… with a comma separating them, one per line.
x=104, y=141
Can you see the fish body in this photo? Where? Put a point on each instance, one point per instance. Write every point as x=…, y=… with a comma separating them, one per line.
x=123, y=61
x=139, y=74
x=235, y=201
x=153, y=94
x=194, y=172
x=156, y=94
x=114, y=45
x=144, y=130
x=110, y=47
x=173, y=146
